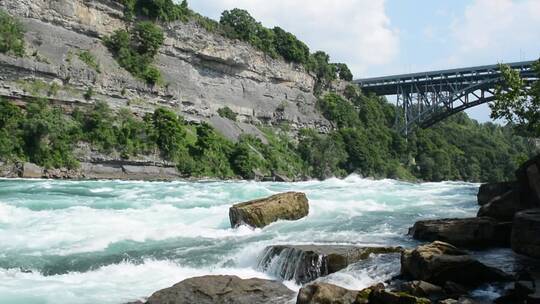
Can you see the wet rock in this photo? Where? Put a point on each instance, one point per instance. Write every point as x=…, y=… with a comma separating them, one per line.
x=441, y=262
x=454, y=289
x=305, y=263
x=526, y=233
x=30, y=170
x=461, y=300
x=505, y=206
x=262, y=212
x=323, y=293
x=528, y=176
x=469, y=232
x=223, y=290
x=487, y=192
x=423, y=289
x=382, y=296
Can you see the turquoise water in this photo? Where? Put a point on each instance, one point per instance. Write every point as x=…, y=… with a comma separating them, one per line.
x=117, y=241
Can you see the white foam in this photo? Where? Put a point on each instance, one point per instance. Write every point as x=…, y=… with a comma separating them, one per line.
x=111, y=284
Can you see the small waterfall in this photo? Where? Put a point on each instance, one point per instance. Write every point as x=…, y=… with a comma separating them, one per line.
x=289, y=263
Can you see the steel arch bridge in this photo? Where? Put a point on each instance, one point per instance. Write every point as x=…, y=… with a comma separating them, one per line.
x=423, y=99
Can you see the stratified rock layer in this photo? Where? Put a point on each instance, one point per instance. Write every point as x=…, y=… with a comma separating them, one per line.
x=262, y=212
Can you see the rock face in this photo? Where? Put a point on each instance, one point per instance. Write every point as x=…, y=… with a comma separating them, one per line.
x=262, y=212
x=204, y=71
x=526, y=233
x=476, y=232
x=223, y=290
x=489, y=191
x=441, y=262
x=305, y=263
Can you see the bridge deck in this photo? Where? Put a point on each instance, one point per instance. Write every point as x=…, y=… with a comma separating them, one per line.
x=443, y=79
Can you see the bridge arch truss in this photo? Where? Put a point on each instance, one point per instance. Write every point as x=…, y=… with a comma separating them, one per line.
x=423, y=99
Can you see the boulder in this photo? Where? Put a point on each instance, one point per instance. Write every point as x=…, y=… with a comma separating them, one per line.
x=382, y=296
x=487, y=192
x=423, y=289
x=223, y=290
x=505, y=206
x=528, y=176
x=262, y=212
x=324, y=293
x=305, y=263
x=526, y=233
x=30, y=170
x=441, y=262
x=476, y=232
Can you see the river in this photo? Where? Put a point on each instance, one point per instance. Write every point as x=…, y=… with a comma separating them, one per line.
x=118, y=241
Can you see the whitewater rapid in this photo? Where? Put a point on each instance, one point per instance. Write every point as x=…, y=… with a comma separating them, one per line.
x=118, y=241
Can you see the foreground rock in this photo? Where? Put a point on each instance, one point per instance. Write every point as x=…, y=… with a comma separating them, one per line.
x=305, y=263
x=505, y=206
x=323, y=293
x=526, y=233
x=262, y=212
x=469, y=232
x=528, y=176
x=487, y=192
x=440, y=262
x=223, y=290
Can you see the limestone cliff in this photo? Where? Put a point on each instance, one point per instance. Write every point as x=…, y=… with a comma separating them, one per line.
x=203, y=71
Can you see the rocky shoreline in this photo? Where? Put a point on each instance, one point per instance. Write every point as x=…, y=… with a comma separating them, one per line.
x=113, y=170
x=441, y=271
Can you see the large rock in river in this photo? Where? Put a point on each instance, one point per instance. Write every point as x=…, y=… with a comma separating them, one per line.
x=487, y=192
x=475, y=232
x=528, y=176
x=305, y=263
x=526, y=233
x=223, y=290
x=323, y=293
x=441, y=262
x=262, y=212
x=505, y=206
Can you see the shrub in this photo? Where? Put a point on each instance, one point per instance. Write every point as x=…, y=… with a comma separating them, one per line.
x=90, y=60
x=11, y=35
x=226, y=112
x=135, y=50
x=288, y=46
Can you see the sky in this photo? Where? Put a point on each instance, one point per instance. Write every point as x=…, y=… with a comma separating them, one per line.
x=387, y=37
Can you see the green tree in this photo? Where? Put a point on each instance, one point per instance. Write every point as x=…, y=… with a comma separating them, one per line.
x=289, y=47
x=516, y=103
x=170, y=135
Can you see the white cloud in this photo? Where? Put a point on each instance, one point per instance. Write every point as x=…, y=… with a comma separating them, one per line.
x=493, y=30
x=357, y=32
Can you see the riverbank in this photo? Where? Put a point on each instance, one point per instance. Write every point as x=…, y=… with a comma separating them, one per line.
x=115, y=170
